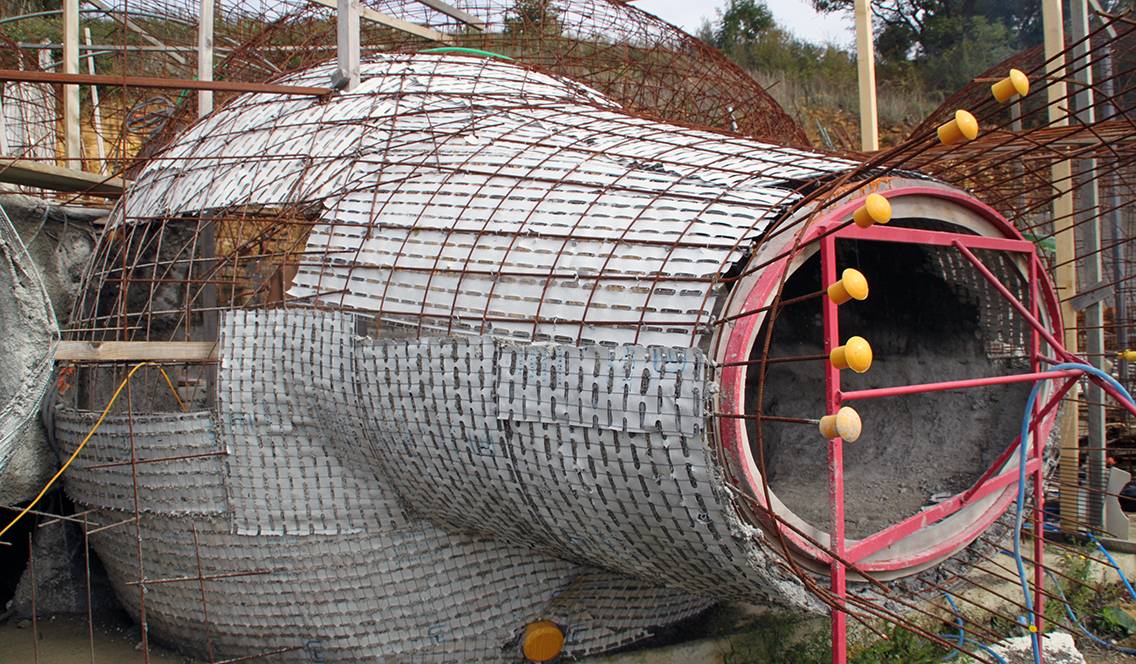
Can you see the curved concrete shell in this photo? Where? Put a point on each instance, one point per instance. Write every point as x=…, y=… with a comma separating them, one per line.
x=487, y=352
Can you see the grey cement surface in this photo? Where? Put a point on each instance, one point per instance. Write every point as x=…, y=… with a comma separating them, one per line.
x=59, y=240
x=61, y=576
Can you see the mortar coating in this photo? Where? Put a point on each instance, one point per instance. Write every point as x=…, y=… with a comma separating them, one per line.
x=58, y=241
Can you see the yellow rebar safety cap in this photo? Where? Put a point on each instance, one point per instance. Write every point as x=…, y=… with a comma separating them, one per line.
x=1127, y=355
x=1016, y=83
x=542, y=641
x=959, y=130
x=855, y=354
x=875, y=210
x=844, y=424
x=852, y=285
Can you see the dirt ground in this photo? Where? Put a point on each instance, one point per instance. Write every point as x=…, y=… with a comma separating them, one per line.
x=65, y=640
x=1094, y=655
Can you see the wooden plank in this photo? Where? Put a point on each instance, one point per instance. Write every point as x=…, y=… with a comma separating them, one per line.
x=347, y=44
x=135, y=351
x=49, y=176
x=1065, y=275
x=96, y=112
x=161, y=83
x=72, y=139
x=866, y=65
x=394, y=23
x=205, y=57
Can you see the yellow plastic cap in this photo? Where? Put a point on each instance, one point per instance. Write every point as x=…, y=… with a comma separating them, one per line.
x=959, y=130
x=1127, y=355
x=875, y=210
x=851, y=286
x=844, y=424
x=855, y=354
x=542, y=641
x=1016, y=83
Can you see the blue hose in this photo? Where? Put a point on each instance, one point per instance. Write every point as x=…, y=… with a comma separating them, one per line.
x=1077, y=621
x=1112, y=561
x=981, y=646
x=1019, y=507
x=961, y=637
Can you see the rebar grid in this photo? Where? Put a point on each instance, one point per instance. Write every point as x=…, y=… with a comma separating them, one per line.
x=462, y=196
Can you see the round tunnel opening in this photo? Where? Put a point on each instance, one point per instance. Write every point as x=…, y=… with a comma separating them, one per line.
x=929, y=317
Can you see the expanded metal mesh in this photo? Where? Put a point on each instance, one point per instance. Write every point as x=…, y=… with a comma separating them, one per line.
x=602, y=206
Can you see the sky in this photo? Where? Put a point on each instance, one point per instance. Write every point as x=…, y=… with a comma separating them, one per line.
x=795, y=15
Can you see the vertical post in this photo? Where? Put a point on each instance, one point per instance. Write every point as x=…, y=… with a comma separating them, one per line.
x=209, y=316
x=96, y=113
x=866, y=63
x=835, y=455
x=87, y=578
x=3, y=125
x=347, y=44
x=1018, y=168
x=1116, y=228
x=35, y=609
x=1089, y=196
x=205, y=57
x=72, y=141
x=1039, y=457
x=1052, y=17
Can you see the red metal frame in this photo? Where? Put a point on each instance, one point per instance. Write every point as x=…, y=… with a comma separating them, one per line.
x=986, y=485
x=864, y=554
x=741, y=338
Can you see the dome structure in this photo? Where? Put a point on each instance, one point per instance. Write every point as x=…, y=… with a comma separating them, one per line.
x=490, y=349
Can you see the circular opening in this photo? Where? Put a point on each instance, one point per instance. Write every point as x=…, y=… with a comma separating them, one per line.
x=930, y=317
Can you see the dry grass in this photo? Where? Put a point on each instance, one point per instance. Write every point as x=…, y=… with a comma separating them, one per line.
x=832, y=109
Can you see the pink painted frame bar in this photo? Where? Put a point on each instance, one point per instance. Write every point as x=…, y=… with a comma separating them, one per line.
x=920, y=388
x=838, y=573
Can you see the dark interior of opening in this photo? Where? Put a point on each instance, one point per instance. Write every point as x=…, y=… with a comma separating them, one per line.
x=13, y=554
x=929, y=317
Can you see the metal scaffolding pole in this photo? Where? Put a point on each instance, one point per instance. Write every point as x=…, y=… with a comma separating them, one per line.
x=1115, y=226
x=1089, y=194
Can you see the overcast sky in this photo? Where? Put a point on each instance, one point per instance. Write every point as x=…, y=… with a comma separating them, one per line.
x=795, y=15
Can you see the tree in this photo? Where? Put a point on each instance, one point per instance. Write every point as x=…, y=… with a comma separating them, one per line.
x=748, y=34
x=742, y=23
x=947, y=42
x=10, y=8
x=533, y=18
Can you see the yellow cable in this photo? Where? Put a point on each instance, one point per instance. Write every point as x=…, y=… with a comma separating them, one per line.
x=90, y=434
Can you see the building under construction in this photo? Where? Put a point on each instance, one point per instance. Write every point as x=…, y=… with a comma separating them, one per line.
x=479, y=331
